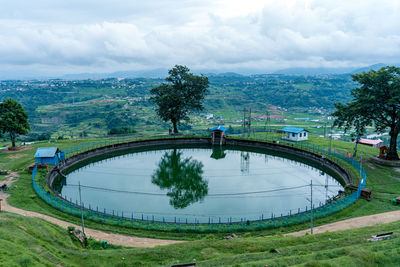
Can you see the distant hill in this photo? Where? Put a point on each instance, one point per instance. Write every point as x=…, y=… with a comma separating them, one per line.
x=229, y=74
x=372, y=67
x=321, y=71
x=155, y=73
x=313, y=71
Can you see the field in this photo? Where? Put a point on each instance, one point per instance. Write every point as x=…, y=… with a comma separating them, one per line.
x=33, y=242
x=206, y=249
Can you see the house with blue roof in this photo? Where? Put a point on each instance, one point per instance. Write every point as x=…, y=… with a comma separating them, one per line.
x=49, y=155
x=294, y=134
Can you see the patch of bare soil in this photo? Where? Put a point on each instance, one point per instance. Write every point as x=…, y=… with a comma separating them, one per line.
x=19, y=149
x=357, y=222
x=23, y=228
x=17, y=156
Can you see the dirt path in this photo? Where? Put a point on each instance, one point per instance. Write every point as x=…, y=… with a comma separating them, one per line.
x=358, y=222
x=115, y=239
x=133, y=241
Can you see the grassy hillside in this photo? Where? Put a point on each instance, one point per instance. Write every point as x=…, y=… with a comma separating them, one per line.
x=29, y=242
x=23, y=195
x=33, y=242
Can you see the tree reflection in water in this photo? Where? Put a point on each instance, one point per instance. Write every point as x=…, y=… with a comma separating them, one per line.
x=218, y=153
x=182, y=177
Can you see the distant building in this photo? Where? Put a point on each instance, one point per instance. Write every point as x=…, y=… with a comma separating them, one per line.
x=53, y=120
x=209, y=116
x=369, y=142
x=294, y=134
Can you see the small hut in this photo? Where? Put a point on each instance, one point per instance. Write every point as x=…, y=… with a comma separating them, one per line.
x=294, y=134
x=369, y=142
x=218, y=135
x=49, y=155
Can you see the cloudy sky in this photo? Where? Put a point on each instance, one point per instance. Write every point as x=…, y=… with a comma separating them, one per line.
x=52, y=37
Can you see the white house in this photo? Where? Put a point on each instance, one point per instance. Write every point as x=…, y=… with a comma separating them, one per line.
x=294, y=134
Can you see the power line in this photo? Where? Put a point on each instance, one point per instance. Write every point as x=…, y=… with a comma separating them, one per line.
x=209, y=195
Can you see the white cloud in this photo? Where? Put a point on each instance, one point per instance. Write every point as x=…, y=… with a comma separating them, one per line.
x=71, y=36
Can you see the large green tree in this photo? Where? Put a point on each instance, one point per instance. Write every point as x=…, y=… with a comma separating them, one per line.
x=376, y=102
x=182, y=93
x=13, y=119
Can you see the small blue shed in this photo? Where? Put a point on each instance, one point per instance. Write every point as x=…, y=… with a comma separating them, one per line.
x=49, y=155
x=219, y=128
x=218, y=135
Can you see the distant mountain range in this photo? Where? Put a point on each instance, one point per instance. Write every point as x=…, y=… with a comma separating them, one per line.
x=321, y=71
x=162, y=73
x=156, y=73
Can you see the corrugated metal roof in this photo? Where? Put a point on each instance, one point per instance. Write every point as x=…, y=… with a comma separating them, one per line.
x=369, y=141
x=46, y=152
x=220, y=128
x=290, y=129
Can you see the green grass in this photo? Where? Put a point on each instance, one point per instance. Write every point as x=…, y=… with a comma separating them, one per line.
x=34, y=242
x=23, y=195
x=28, y=241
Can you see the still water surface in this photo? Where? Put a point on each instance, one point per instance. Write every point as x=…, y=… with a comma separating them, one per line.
x=200, y=182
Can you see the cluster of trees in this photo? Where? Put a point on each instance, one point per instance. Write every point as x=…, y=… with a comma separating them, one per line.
x=376, y=102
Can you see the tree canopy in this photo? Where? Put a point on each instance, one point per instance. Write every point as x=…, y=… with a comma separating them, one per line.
x=13, y=119
x=183, y=92
x=376, y=102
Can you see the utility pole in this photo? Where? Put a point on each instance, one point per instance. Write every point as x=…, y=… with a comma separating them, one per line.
x=80, y=200
x=312, y=208
x=246, y=121
x=311, y=217
x=326, y=188
x=249, y=122
x=330, y=140
x=361, y=165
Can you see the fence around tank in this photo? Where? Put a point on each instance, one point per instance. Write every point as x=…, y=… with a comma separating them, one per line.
x=215, y=224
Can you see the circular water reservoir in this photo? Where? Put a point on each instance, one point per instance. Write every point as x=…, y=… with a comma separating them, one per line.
x=179, y=183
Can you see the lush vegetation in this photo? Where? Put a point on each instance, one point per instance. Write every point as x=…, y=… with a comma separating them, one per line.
x=13, y=119
x=24, y=196
x=376, y=103
x=29, y=242
x=182, y=94
x=33, y=242
x=75, y=109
